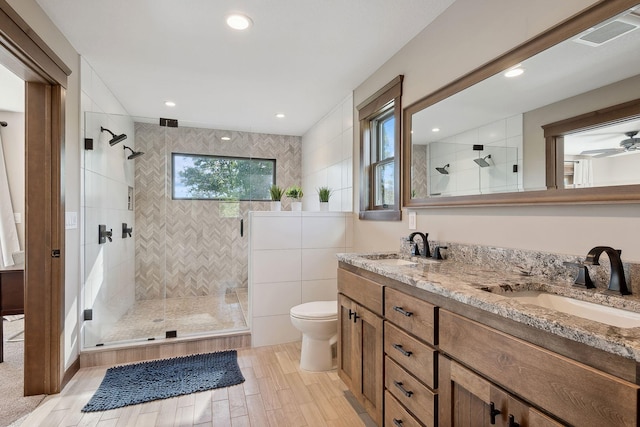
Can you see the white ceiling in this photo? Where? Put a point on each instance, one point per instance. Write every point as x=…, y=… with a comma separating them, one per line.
x=300, y=58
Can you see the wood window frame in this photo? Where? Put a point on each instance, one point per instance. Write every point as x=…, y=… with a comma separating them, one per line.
x=368, y=111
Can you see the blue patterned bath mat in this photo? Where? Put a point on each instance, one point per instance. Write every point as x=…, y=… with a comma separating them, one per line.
x=161, y=379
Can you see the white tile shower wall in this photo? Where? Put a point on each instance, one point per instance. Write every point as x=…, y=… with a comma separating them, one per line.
x=327, y=159
x=292, y=259
x=108, y=270
x=501, y=139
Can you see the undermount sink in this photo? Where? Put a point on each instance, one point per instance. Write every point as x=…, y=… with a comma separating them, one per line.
x=394, y=261
x=587, y=310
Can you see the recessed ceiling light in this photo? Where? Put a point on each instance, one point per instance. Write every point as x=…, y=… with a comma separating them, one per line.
x=280, y=115
x=170, y=103
x=514, y=72
x=225, y=138
x=435, y=130
x=239, y=22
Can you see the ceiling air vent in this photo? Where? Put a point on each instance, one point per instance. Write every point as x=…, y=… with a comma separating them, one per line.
x=610, y=30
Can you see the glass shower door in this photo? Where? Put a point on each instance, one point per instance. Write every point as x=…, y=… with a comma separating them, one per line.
x=111, y=235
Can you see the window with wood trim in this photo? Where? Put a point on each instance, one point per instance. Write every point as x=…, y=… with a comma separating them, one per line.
x=380, y=123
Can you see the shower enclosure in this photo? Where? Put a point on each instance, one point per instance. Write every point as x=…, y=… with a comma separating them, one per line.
x=165, y=242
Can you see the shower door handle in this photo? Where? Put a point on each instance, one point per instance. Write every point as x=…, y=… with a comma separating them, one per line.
x=241, y=227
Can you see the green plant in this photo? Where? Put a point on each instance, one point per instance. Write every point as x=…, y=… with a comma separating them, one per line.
x=294, y=192
x=324, y=193
x=276, y=193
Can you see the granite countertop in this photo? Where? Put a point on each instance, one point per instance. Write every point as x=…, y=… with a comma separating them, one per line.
x=485, y=289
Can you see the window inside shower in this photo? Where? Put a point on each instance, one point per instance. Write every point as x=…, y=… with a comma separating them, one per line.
x=156, y=266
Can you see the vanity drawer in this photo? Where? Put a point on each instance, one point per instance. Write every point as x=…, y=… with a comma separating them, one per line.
x=576, y=393
x=366, y=292
x=413, y=395
x=395, y=415
x=412, y=314
x=411, y=354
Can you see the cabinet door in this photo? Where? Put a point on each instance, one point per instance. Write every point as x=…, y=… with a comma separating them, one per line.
x=370, y=353
x=465, y=398
x=360, y=354
x=348, y=365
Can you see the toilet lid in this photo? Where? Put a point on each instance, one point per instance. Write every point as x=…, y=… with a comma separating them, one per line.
x=316, y=310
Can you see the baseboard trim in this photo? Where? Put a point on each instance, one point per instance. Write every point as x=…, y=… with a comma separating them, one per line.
x=70, y=372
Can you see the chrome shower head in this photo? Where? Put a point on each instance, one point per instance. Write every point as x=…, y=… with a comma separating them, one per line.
x=133, y=154
x=443, y=170
x=114, y=138
x=483, y=161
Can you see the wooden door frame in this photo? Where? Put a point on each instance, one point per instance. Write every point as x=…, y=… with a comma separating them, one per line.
x=23, y=52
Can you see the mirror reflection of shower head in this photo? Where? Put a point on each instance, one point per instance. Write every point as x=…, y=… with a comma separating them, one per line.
x=443, y=170
x=115, y=138
x=483, y=161
x=133, y=154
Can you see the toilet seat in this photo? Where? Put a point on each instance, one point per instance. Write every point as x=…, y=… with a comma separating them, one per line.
x=316, y=310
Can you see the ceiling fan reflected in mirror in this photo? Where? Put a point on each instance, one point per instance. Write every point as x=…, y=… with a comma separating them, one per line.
x=631, y=143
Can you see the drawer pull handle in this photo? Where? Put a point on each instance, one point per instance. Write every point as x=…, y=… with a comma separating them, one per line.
x=512, y=421
x=402, y=389
x=351, y=313
x=493, y=412
x=397, y=422
x=355, y=317
x=402, y=350
x=401, y=310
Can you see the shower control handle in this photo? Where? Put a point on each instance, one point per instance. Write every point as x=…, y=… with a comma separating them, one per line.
x=126, y=231
x=104, y=234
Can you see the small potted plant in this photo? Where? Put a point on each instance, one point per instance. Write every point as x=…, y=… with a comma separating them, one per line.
x=276, y=196
x=324, y=193
x=295, y=194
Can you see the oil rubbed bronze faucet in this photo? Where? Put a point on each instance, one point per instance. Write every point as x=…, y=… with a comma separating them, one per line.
x=617, y=282
x=415, y=249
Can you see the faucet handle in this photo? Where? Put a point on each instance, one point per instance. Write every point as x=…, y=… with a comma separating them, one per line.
x=582, y=279
x=436, y=252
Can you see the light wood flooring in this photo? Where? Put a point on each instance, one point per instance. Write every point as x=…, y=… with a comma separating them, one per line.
x=276, y=392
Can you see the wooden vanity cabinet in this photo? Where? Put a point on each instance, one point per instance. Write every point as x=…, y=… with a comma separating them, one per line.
x=430, y=366
x=360, y=334
x=411, y=361
x=484, y=358
x=469, y=400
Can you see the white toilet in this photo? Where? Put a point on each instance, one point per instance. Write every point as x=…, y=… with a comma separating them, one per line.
x=318, y=322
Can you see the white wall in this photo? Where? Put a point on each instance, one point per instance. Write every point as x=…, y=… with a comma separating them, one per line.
x=13, y=145
x=108, y=268
x=464, y=37
x=33, y=15
x=327, y=159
